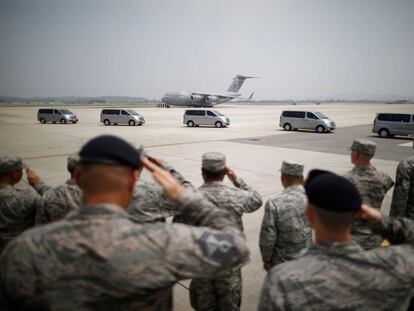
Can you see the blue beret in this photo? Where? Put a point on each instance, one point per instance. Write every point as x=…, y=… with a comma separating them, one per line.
x=109, y=149
x=331, y=192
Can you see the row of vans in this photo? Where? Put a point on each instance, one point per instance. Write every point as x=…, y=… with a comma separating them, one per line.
x=192, y=117
x=108, y=116
x=385, y=124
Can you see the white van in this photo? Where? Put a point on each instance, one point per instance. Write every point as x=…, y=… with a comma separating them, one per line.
x=390, y=124
x=56, y=116
x=121, y=116
x=309, y=120
x=196, y=117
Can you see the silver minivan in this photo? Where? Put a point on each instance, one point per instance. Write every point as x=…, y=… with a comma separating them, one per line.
x=56, y=116
x=121, y=116
x=309, y=120
x=390, y=124
x=196, y=117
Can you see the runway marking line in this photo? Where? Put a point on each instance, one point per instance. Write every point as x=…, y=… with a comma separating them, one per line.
x=148, y=146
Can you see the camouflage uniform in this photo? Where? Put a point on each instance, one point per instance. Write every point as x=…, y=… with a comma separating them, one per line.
x=57, y=202
x=342, y=276
x=403, y=197
x=18, y=204
x=224, y=291
x=285, y=233
x=101, y=260
x=149, y=203
x=372, y=186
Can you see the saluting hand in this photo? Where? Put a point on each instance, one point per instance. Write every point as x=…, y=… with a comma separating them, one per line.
x=170, y=185
x=230, y=174
x=32, y=177
x=369, y=214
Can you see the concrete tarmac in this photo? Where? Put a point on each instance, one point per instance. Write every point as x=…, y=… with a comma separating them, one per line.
x=254, y=145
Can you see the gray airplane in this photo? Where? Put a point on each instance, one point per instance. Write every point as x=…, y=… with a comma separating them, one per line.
x=202, y=99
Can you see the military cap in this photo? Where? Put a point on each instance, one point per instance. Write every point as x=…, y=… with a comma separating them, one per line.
x=333, y=193
x=8, y=163
x=213, y=161
x=291, y=168
x=364, y=146
x=73, y=161
x=108, y=149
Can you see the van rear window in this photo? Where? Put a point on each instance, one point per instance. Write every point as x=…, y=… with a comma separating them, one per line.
x=47, y=111
x=294, y=114
x=195, y=112
x=394, y=117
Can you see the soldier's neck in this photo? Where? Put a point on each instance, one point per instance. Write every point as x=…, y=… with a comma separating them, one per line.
x=322, y=236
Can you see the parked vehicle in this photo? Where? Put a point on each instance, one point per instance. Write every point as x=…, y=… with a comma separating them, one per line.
x=196, y=117
x=121, y=116
x=56, y=116
x=390, y=124
x=309, y=120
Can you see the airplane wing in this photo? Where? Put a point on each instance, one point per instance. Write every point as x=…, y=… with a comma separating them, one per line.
x=228, y=95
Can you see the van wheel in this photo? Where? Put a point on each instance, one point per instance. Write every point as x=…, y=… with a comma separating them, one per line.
x=287, y=127
x=190, y=123
x=43, y=121
x=131, y=122
x=320, y=129
x=62, y=121
x=106, y=122
x=384, y=133
x=219, y=124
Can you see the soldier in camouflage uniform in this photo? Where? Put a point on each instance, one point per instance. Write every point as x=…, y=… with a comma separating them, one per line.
x=17, y=208
x=285, y=233
x=57, y=202
x=96, y=258
x=149, y=203
x=224, y=291
x=403, y=196
x=336, y=273
x=372, y=186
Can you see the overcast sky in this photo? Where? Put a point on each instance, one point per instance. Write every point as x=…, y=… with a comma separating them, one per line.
x=301, y=48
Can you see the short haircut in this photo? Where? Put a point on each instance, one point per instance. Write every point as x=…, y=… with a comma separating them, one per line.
x=213, y=175
x=336, y=222
x=291, y=178
x=104, y=178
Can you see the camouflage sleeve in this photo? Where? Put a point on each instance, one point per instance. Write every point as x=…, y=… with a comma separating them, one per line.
x=268, y=232
x=390, y=183
x=271, y=297
x=197, y=252
x=253, y=199
x=203, y=213
x=401, y=192
x=41, y=187
x=396, y=230
x=178, y=176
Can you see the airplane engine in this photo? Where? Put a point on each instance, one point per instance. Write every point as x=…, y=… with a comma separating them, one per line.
x=196, y=98
x=211, y=99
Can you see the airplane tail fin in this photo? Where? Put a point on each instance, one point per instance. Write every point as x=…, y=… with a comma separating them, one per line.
x=237, y=83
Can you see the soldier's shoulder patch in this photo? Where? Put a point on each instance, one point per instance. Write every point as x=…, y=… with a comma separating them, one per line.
x=217, y=247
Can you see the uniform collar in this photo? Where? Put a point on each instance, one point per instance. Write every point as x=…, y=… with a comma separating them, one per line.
x=101, y=209
x=294, y=188
x=338, y=248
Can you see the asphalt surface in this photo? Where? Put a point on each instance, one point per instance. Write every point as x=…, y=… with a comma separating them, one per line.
x=336, y=142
